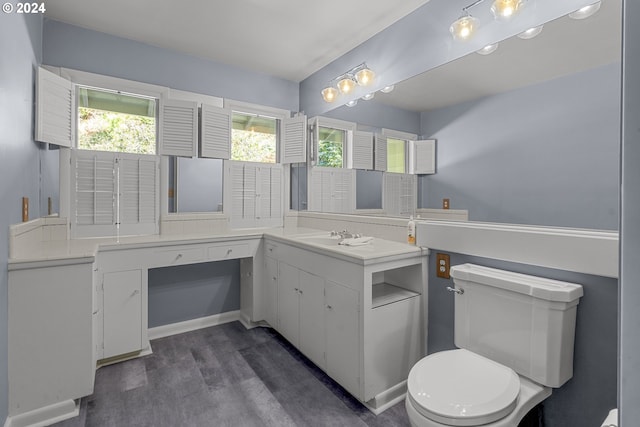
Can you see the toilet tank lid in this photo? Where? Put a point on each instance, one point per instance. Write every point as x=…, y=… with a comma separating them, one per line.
x=538, y=287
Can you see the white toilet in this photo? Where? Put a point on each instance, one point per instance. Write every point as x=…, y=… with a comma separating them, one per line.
x=515, y=335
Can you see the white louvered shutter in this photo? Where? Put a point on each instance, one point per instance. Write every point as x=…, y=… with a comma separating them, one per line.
x=380, y=147
x=249, y=194
x=53, y=109
x=293, y=144
x=314, y=196
x=276, y=193
x=235, y=191
x=263, y=193
x=137, y=202
x=341, y=190
x=362, y=157
x=215, y=132
x=94, y=189
x=400, y=194
x=424, y=157
x=178, y=128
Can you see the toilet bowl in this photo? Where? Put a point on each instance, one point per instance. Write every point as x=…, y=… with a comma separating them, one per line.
x=460, y=388
x=515, y=336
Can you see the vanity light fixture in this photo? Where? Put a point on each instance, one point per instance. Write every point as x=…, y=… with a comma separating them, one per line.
x=490, y=48
x=387, y=89
x=369, y=96
x=329, y=94
x=464, y=27
x=586, y=11
x=346, y=83
x=531, y=32
x=505, y=9
x=360, y=75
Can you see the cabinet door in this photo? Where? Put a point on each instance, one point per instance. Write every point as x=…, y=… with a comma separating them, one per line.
x=343, y=339
x=288, y=303
x=122, y=312
x=271, y=282
x=312, y=317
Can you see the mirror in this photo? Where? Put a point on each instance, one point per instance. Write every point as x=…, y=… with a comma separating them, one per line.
x=528, y=134
x=195, y=185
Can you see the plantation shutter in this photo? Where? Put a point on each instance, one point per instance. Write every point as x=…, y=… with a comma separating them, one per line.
x=380, y=148
x=137, y=202
x=215, y=132
x=53, y=109
x=342, y=190
x=400, y=191
x=424, y=157
x=331, y=190
x=236, y=190
x=314, y=198
x=294, y=142
x=275, y=196
x=178, y=134
x=362, y=157
x=94, y=193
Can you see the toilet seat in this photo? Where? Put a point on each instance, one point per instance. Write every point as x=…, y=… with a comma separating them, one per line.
x=461, y=388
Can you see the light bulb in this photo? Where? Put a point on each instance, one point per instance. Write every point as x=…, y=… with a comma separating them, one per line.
x=387, y=89
x=586, y=11
x=365, y=76
x=346, y=84
x=369, y=96
x=352, y=103
x=329, y=94
x=464, y=27
x=530, y=33
x=505, y=9
x=490, y=48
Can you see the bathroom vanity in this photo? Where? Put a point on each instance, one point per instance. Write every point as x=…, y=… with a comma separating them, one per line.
x=357, y=312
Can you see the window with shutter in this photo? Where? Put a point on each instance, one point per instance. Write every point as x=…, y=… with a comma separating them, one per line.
x=256, y=196
x=114, y=193
x=53, y=109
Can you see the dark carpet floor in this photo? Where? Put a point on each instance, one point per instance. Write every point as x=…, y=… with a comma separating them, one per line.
x=223, y=376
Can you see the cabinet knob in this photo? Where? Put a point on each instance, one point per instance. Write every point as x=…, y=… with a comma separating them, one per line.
x=229, y=251
x=134, y=293
x=329, y=307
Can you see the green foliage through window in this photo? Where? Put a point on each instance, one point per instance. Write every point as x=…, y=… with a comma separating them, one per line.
x=253, y=138
x=331, y=147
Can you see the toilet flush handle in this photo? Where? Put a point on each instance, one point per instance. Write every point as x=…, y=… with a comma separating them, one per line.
x=457, y=291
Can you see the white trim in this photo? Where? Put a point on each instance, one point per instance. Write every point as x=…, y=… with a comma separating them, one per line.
x=263, y=110
x=114, y=83
x=199, y=98
x=45, y=416
x=397, y=134
x=569, y=249
x=327, y=122
x=193, y=325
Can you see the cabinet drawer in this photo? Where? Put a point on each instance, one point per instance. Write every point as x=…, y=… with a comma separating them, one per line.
x=179, y=256
x=221, y=252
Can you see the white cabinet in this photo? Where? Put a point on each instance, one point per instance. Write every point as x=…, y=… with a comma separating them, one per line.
x=342, y=315
x=50, y=328
x=122, y=312
x=288, y=303
x=271, y=291
x=312, y=317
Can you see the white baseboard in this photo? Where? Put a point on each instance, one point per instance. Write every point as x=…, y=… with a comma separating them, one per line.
x=193, y=325
x=45, y=416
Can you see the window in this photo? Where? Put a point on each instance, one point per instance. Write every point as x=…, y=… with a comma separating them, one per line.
x=112, y=121
x=396, y=155
x=253, y=138
x=331, y=147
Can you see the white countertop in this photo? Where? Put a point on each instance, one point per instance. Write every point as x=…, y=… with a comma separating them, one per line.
x=84, y=250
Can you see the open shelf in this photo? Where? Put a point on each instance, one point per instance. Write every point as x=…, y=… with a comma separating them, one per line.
x=385, y=293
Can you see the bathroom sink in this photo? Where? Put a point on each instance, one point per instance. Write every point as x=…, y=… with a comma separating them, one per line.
x=321, y=240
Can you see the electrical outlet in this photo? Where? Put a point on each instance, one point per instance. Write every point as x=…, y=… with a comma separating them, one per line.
x=442, y=265
x=445, y=203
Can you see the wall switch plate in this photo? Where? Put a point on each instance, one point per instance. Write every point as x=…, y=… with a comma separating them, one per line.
x=442, y=265
x=25, y=209
x=445, y=203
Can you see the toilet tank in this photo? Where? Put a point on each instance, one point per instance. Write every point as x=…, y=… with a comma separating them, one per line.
x=521, y=321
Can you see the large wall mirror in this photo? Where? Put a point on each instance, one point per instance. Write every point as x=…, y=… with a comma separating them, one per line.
x=528, y=134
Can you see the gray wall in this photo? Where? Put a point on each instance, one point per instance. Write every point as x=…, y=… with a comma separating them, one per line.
x=584, y=400
x=629, y=386
x=81, y=49
x=545, y=154
x=20, y=156
x=189, y=292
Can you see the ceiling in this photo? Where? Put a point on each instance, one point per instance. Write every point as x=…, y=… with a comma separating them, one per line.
x=290, y=39
x=564, y=47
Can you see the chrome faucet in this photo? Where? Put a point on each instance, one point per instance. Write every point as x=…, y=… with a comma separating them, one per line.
x=344, y=234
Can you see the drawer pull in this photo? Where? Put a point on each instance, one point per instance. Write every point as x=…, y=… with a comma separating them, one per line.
x=329, y=307
x=229, y=251
x=178, y=257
